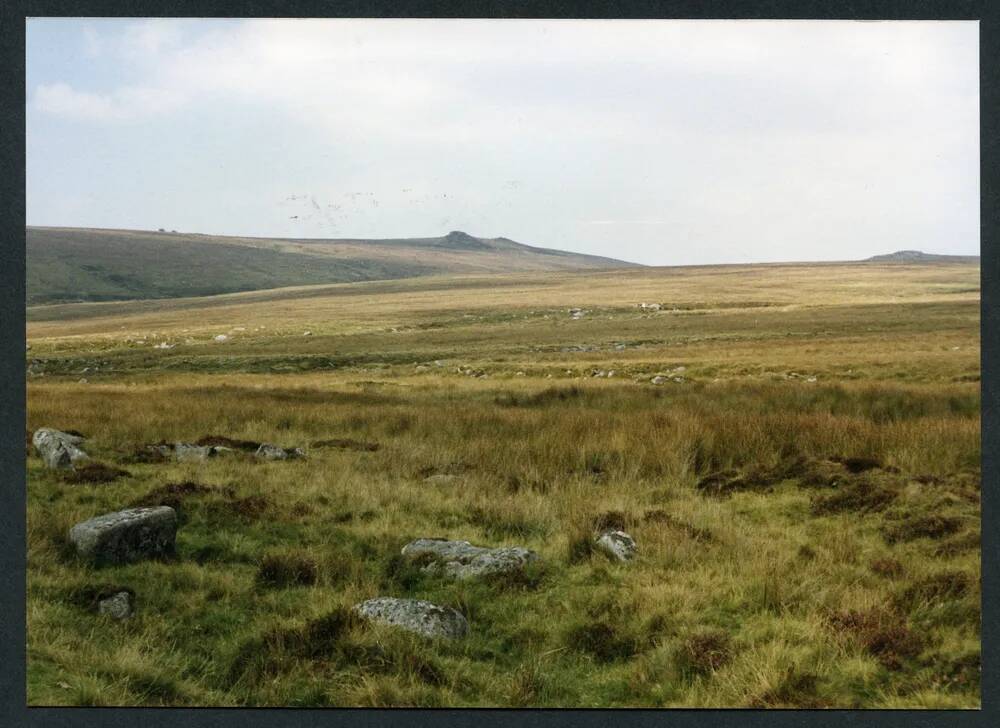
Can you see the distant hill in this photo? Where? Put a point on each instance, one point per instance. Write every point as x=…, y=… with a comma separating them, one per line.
x=917, y=256
x=78, y=264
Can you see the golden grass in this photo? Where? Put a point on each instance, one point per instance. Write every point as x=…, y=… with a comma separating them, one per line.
x=738, y=600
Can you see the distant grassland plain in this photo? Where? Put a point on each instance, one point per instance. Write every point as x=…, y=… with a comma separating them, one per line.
x=803, y=485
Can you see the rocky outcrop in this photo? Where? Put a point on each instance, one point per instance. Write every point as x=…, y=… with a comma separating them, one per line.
x=117, y=606
x=267, y=451
x=57, y=449
x=617, y=545
x=185, y=453
x=462, y=560
x=182, y=452
x=126, y=536
x=415, y=615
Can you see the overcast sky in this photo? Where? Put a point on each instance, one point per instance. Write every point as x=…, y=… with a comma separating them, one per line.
x=661, y=142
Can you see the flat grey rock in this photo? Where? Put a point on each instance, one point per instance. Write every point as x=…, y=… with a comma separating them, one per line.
x=617, y=545
x=57, y=449
x=462, y=560
x=415, y=615
x=185, y=453
x=267, y=451
x=126, y=536
x=116, y=606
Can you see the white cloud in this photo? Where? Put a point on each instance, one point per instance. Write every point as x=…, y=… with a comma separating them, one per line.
x=470, y=79
x=125, y=104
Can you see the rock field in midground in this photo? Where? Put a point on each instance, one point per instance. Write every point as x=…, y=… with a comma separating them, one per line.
x=136, y=534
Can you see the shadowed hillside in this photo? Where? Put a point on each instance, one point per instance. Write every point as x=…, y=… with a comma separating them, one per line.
x=72, y=264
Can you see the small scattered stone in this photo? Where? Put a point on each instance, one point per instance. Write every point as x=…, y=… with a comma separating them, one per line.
x=415, y=615
x=126, y=536
x=617, y=545
x=116, y=606
x=186, y=453
x=462, y=560
x=182, y=452
x=267, y=451
x=271, y=452
x=658, y=380
x=220, y=338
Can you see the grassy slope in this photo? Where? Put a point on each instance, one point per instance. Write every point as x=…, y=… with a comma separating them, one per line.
x=67, y=264
x=791, y=594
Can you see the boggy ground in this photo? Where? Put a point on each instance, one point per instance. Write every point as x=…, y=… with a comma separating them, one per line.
x=801, y=543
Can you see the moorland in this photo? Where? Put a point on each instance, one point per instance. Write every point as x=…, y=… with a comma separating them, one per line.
x=794, y=448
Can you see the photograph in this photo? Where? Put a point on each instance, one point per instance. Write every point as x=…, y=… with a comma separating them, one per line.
x=509, y=363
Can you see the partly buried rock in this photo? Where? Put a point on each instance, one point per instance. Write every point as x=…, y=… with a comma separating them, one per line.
x=462, y=560
x=617, y=545
x=126, y=536
x=118, y=605
x=268, y=451
x=223, y=443
x=182, y=452
x=415, y=615
x=57, y=449
x=185, y=453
